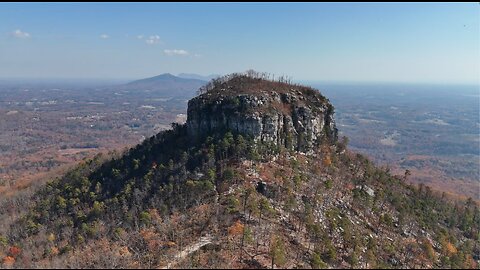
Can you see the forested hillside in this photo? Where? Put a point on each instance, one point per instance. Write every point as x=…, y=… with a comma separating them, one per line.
x=241, y=195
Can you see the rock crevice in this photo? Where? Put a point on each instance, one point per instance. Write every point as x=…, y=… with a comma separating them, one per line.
x=293, y=117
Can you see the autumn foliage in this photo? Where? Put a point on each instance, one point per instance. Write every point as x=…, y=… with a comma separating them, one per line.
x=327, y=161
x=451, y=249
x=8, y=261
x=14, y=251
x=236, y=228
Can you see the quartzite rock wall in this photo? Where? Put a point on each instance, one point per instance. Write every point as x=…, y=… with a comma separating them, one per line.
x=291, y=119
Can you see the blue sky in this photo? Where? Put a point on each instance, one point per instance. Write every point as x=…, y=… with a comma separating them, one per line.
x=409, y=42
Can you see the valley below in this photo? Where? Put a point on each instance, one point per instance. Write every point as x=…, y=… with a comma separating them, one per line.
x=430, y=130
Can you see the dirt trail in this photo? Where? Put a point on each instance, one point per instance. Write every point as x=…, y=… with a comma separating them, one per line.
x=203, y=241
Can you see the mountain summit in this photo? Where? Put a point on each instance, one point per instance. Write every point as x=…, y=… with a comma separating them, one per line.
x=256, y=178
x=295, y=117
x=166, y=85
x=165, y=77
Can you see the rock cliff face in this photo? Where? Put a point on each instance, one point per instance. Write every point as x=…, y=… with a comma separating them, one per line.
x=296, y=117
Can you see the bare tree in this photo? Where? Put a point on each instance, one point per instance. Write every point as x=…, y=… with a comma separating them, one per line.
x=216, y=83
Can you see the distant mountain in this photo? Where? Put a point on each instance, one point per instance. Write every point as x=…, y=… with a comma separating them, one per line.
x=198, y=77
x=166, y=84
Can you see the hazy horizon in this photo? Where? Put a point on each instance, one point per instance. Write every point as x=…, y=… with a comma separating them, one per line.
x=107, y=81
x=355, y=42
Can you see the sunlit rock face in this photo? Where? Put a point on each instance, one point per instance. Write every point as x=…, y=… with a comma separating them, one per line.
x=295, y=117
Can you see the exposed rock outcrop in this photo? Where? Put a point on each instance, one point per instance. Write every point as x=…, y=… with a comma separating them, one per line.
x=296, y=117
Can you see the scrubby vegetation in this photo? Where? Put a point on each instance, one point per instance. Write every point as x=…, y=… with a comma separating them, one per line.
x=229, y=201
x=314, y=211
